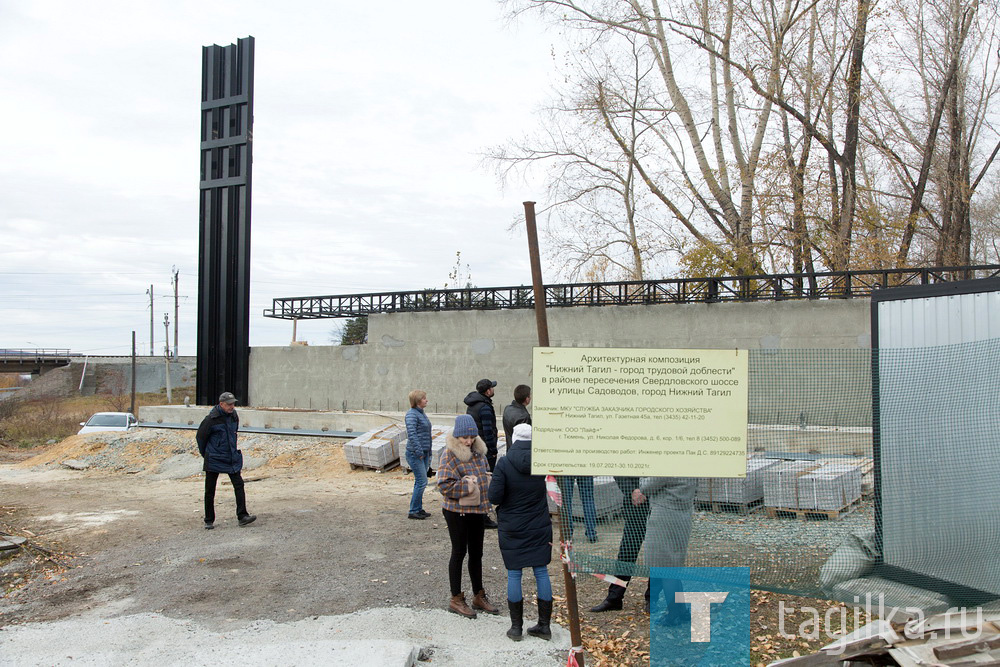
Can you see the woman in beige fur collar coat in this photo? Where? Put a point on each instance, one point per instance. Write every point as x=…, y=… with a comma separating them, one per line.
x=463, y=479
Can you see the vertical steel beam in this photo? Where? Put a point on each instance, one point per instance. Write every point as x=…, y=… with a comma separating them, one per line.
x=224, y=221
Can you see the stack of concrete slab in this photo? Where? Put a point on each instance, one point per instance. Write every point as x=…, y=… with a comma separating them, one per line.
x=744, y=491
x=781, y=482
x=863, y=463
x=607, y=499
x=438, y=443
x=832, y=486
x=438, y=434
x=378, y=448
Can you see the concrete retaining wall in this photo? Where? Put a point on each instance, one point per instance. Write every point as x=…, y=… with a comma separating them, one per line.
x=113, y=375
x=150, y=373
x=446, y=353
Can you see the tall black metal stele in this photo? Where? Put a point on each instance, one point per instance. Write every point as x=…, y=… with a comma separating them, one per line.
x=224, y=235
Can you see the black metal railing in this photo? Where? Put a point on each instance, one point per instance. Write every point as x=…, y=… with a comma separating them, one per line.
x=776, y=287
x=32, y=354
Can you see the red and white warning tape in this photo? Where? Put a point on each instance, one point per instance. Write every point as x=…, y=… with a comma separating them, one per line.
x=553, y=490
x=611, y=579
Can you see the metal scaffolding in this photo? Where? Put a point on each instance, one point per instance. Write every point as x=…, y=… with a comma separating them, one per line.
x=776, y=287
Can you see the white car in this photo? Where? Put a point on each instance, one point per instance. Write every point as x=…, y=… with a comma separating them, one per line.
x=109, y=421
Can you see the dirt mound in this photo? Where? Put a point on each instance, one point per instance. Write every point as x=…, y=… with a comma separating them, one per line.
x=72, y=447
x=143, y=451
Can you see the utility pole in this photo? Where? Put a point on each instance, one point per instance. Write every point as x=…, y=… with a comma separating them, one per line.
x=166, y=334
x=176, y=308
x=132, y=408
x=166, y=353
x=576, y=654
x=150, y=293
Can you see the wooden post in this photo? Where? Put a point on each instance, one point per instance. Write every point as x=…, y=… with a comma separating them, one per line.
x=132, y=408
x=572, y=606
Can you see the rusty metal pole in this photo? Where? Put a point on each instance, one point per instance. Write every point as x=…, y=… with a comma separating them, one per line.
x=536, y=275
x=132, y=404
x=572, y=606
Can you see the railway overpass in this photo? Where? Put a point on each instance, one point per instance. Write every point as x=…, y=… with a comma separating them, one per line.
x=34, y=361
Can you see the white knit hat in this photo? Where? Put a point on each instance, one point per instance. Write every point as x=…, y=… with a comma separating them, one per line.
x=521, y=432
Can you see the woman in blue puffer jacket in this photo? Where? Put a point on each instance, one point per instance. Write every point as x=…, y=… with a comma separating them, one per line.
x=418, y=450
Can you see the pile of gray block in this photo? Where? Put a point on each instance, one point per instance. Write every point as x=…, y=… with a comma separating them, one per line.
x=832, y=486
x=377, y=448
x=812, y=485
x=743, y=491
x=438, y=434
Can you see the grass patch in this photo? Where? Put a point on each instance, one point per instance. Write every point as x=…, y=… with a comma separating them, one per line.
x=32, y=422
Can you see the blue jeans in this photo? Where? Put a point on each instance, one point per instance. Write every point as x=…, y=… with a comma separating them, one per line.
x=542, y=584
x=419, y=466
x=586, y=485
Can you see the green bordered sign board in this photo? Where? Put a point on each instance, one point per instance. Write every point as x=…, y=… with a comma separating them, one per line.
x=639, y=413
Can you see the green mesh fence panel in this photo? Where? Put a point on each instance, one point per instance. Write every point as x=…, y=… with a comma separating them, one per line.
x=807, y=519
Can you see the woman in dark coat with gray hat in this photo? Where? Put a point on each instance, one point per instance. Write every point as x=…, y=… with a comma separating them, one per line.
x=524, y=532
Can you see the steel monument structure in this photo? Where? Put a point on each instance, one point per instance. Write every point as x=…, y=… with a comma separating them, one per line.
x=224, y=221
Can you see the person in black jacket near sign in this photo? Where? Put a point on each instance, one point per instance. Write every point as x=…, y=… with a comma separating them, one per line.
x=480, y=406
x=517, y=412
x=217, y=444
x=525, y=531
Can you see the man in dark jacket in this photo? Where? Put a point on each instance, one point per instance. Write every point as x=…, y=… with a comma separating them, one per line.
x=217, y=444
x=480, y=404
x=517, y=412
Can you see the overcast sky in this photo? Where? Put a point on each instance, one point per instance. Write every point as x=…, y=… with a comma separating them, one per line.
x=369, y=122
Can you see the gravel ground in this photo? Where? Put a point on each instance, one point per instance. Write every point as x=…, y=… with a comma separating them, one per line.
x=331, y=544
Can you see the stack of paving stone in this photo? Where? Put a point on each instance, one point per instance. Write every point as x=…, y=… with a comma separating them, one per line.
x=736, y=491
x=378, y=448
x=832, y=486
x=438, y=443
x=607, y=499
x=781, y=483
x=438, y=434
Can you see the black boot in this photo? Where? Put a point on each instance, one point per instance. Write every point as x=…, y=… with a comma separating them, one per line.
x=542, y=630
x=614, y=600
x=673, y=613
x=516, y=619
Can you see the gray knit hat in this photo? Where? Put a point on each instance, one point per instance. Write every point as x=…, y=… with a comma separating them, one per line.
x=465, y=426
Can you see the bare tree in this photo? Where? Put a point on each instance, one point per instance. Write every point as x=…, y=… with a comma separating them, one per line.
x=602, y=223
x=788, y=138
x=703, y=137
x=115, y=390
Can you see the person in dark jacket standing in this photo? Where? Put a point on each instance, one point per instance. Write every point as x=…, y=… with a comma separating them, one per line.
x=217, y=444
x=525, y=532
x=480, y=406
x=418, y=450
x=517, y=412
